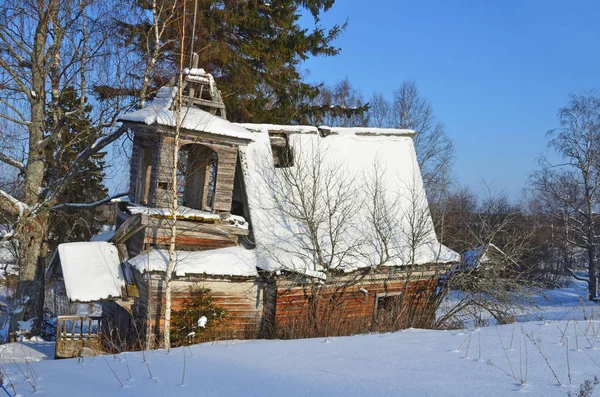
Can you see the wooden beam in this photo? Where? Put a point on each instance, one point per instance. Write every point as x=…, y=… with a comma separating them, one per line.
x=278, y=141
x=183, y=226
x=130, y=227
x=204, y=102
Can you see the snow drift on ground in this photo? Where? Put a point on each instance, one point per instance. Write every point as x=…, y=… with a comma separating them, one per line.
x=491, y=361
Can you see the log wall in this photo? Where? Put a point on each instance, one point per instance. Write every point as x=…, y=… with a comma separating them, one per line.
x=241, y=299
x=270, y=308
x=346, y=307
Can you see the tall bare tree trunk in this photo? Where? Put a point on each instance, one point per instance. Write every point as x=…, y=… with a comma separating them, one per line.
x=34, y=227
x=172, y=245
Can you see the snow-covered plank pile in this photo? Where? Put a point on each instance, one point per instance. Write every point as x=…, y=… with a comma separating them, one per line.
x=189, y=214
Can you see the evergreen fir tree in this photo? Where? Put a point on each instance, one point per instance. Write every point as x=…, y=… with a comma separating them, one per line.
x=254, y=49
x=198, y=320
x=74, y=224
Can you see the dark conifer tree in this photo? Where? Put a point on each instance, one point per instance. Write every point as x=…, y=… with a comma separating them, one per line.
x=74, y=224
x=253, y=48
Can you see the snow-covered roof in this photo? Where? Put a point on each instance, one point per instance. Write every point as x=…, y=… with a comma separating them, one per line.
x=232, y=261
x=91, y=270
x=159, y=113
x=483, y=255
x=353, y=152
x=471, y=259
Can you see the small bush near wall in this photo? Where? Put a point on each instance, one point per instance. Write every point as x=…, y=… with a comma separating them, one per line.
x=199, y=320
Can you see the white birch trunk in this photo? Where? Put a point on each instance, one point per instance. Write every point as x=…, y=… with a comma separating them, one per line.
x=172, y=245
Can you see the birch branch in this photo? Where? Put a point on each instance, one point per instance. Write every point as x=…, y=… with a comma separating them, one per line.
x=576, y=277
x=96, y=147
x=10, y=161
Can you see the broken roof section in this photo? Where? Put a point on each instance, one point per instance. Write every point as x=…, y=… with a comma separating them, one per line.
x=91, y=270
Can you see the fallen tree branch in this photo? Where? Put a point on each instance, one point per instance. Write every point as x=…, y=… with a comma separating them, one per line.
x=576, y=277
x=75, y=167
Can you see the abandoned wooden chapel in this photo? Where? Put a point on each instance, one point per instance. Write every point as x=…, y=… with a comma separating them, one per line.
x=282, y=230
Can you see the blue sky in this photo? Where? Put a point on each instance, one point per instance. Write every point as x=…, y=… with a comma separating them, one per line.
x=495, y=72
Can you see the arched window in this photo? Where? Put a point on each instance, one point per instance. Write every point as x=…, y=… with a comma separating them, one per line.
x=197, y=176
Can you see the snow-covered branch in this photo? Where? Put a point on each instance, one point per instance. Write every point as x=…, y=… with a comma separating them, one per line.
x=11, y=205
x=7, y=236
x=10, y=161
x=96, y=147
x=89, y=205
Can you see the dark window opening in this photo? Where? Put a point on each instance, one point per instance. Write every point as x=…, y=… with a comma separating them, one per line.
x=239, y=204
x=239, y=200
x=197, y=176
x=142, y=188
x=388, y=307
x=389, y=302
x=283, y=154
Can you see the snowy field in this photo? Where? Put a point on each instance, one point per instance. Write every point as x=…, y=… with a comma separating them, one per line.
x=547, y=357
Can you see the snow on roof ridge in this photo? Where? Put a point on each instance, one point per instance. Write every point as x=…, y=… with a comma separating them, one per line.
x=366, y=131
x=194, y=71
x=326, y=130
x=299, y=129
x=194, y=119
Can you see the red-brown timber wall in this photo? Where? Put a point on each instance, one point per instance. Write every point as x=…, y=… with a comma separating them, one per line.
x=339, y=310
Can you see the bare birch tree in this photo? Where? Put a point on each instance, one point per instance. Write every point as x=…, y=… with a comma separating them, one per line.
x=577, y=141
x=401, y=239
x=320, y=197
x=435, y=150
x=46, y=46
x=320, y=202
x=174, y=192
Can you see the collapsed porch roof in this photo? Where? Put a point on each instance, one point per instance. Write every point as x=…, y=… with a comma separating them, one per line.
x=91, y=270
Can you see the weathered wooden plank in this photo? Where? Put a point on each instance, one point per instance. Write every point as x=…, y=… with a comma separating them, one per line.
x=278, y=141
x=198, y=243
x=128, y=229
x=217, y=228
